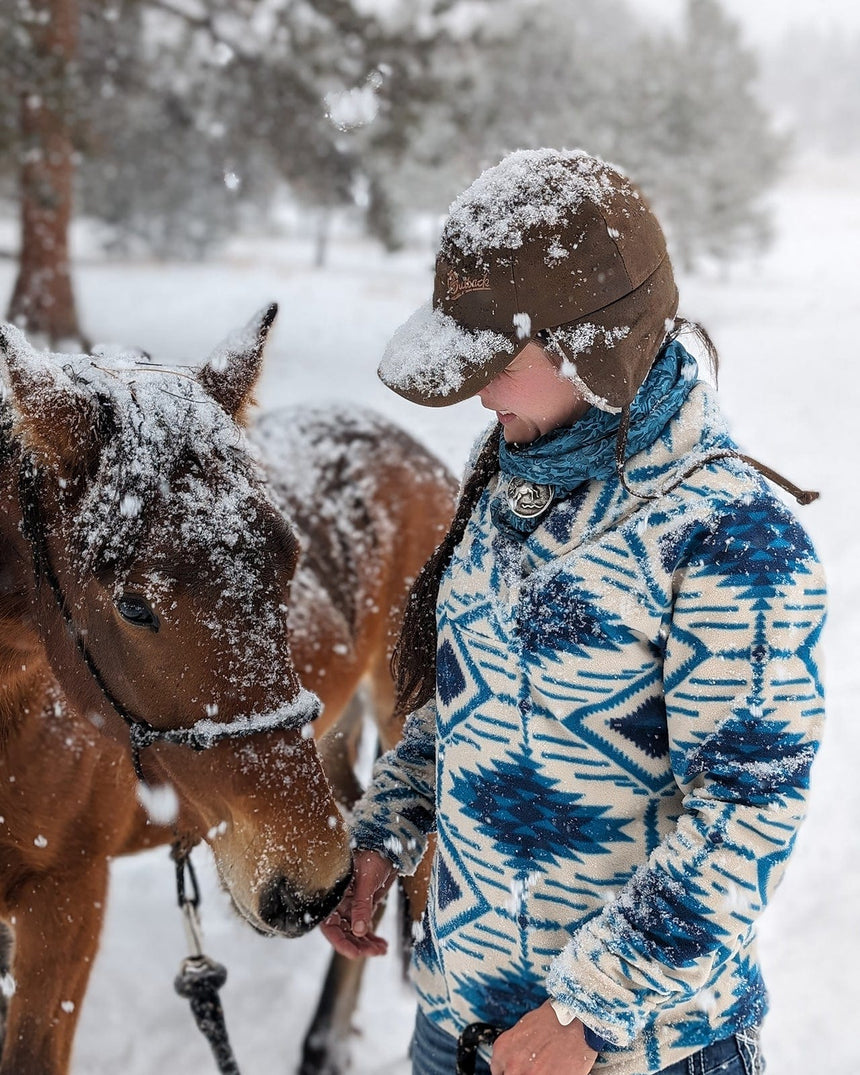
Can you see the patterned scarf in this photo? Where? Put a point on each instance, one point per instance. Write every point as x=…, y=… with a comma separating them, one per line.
x=566, y=457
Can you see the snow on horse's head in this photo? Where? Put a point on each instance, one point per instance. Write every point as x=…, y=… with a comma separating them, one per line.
x=164, y=594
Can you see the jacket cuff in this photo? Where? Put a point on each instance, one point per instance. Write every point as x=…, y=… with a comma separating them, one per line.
x=567, y=1015
x=405, y=852
x=607, y=1009
x=593, y=1040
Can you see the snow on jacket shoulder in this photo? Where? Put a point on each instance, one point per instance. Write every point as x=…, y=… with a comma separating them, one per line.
x=628, y=705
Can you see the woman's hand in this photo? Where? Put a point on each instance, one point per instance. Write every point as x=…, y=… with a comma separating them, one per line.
x=348, y=927
x=539, y=1045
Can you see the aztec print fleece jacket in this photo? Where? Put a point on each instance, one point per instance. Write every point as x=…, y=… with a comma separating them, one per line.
x=617, y=760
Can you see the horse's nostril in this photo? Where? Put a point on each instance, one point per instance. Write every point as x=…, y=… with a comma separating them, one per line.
x=280, y=908
x=291, y=914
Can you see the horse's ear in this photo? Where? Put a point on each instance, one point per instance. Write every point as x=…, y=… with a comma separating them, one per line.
x=56, y=420
x=231, y=371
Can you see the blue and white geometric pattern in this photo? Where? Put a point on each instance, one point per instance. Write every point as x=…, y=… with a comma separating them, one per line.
x=628, y=706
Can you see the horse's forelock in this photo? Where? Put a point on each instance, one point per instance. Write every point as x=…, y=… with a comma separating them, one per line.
x=176, y=502
x=166, y=449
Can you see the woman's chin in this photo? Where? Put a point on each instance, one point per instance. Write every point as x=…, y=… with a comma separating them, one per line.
x=516, y=431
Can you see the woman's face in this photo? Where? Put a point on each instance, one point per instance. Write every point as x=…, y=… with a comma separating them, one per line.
x=530, y=397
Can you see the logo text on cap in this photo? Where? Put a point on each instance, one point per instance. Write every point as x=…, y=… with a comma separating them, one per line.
x=457, y=286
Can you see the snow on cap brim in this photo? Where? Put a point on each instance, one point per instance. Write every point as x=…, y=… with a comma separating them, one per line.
x=435, y=361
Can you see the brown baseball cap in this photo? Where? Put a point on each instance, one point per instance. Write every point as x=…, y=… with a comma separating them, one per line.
x=549, y=242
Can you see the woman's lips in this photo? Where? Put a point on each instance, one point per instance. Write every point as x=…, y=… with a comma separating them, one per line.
x=504, y=417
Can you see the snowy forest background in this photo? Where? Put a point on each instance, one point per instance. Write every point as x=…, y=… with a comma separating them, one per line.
x=169, y=166
x=174, y=125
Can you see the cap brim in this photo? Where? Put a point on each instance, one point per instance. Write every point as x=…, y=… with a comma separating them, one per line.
x=435, y=361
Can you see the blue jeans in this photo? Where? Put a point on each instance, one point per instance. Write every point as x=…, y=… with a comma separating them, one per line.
x=434, y=1052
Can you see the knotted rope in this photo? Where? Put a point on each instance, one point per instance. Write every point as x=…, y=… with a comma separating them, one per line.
x=200, y=977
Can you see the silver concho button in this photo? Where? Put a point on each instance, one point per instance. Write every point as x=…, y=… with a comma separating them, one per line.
x=527, y=499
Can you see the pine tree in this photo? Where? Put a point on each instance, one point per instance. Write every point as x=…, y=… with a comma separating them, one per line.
x=40, y=73
x=186, y=114
x=812, y=76
x=676, y=109
x=185, y=117
x=705, y=148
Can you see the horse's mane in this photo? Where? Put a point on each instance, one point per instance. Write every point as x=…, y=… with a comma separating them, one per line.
x=7, y=442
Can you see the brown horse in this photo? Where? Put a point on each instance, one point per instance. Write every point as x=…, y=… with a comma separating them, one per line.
x=145, y=607
x=370, y=505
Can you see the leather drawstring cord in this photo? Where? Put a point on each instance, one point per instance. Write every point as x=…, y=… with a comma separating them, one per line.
x=802, y=496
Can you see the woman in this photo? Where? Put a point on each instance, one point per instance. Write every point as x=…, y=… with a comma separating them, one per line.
x=610, y=663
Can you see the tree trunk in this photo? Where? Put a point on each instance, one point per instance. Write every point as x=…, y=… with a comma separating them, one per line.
x=43, y=301
x=322, y=231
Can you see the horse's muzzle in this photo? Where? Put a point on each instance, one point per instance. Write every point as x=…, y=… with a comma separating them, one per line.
x=292, y=914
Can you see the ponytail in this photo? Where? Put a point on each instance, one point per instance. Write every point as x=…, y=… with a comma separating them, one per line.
x=413, y=662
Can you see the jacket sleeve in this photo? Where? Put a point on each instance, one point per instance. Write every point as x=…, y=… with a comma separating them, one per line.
x=398, y=809
x=744, y=710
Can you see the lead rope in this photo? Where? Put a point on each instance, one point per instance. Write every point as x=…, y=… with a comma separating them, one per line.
x=474, y=1035
x=200, y=977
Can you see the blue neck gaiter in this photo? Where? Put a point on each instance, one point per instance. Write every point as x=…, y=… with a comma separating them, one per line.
x=566, y=457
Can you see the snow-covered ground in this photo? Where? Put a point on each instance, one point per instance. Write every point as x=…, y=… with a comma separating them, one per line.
x=786, y=327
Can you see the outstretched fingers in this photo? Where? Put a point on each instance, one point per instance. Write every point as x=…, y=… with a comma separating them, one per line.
x=349, y=928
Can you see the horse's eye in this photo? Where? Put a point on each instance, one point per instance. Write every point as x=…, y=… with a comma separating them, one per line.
x=136, y=611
